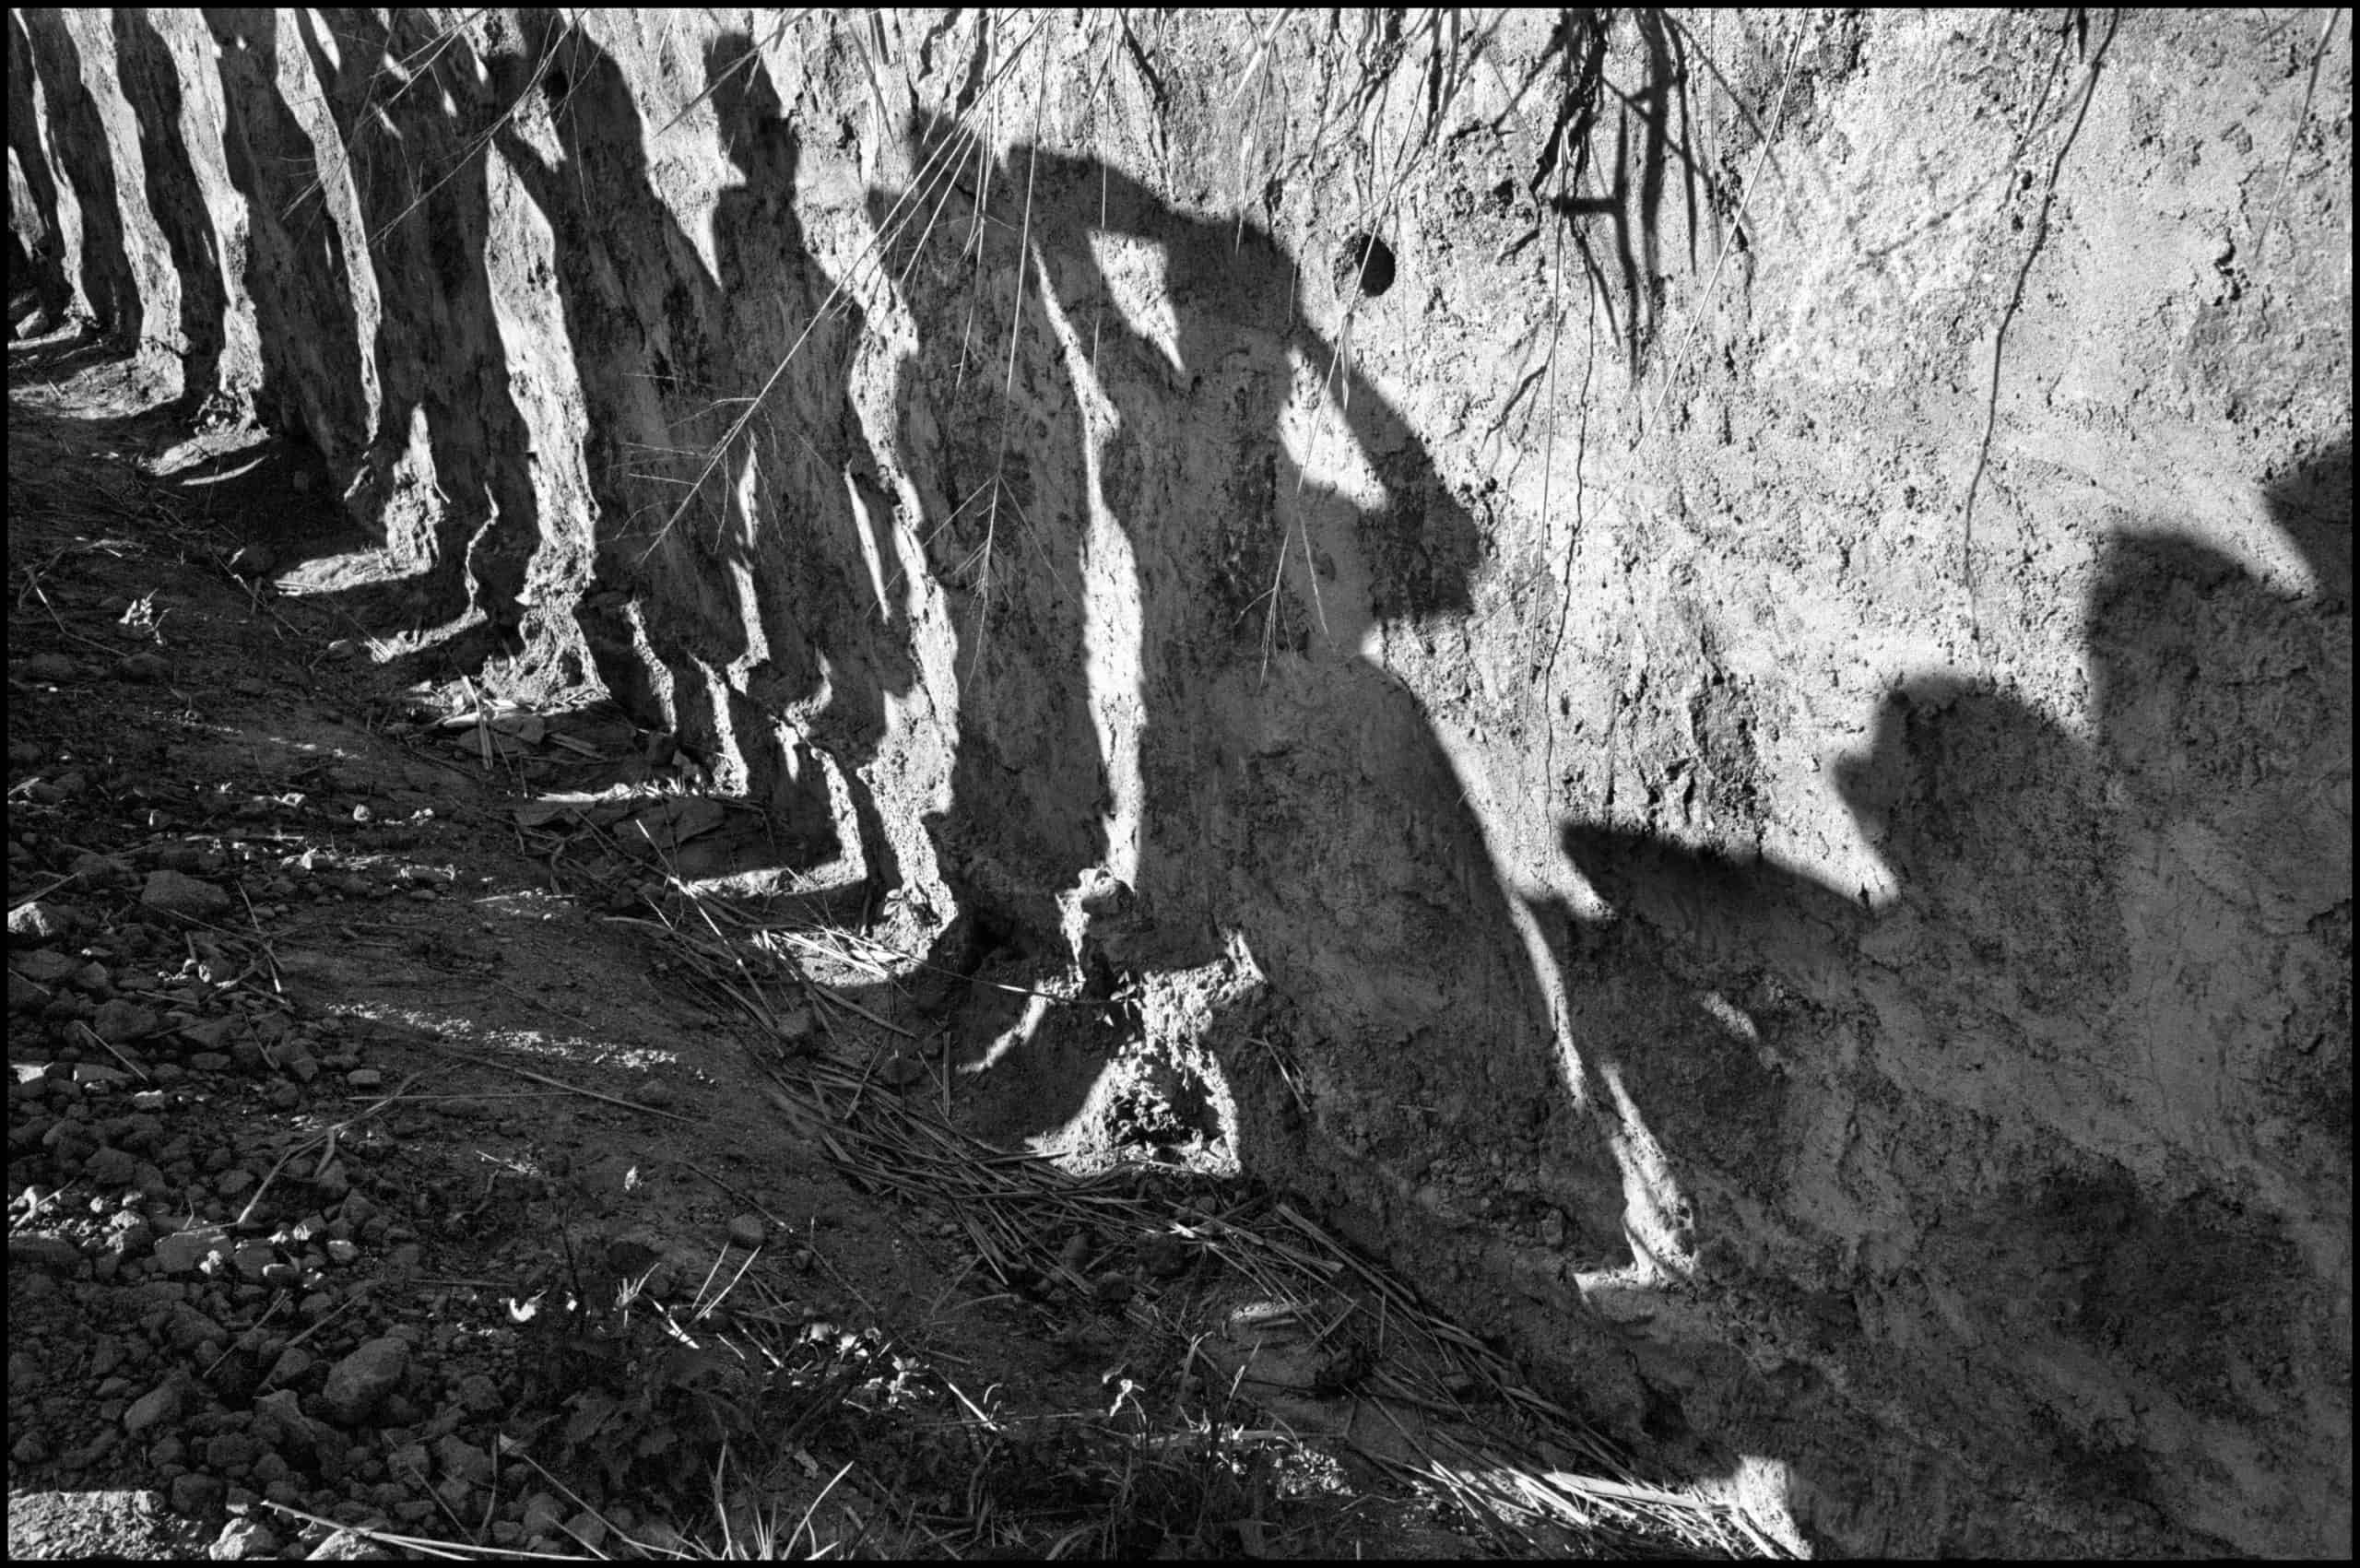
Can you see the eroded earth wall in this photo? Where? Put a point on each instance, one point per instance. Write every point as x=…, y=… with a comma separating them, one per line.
x=1735, y=741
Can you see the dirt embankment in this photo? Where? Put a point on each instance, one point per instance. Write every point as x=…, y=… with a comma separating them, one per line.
x=1736, y=745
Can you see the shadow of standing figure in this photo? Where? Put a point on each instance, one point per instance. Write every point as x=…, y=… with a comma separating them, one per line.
x=1181, y=564
x=447, y=420
x=708, y=621
x=635, y=296
x=77, y=139
x=827, y=599
x=152, y=75
x=35, y=220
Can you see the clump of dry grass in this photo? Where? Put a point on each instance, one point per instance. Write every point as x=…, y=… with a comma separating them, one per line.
x=1462, y=1413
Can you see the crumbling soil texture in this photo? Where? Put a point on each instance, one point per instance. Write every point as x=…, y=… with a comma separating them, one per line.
x=404, y=1154
x=1689, y=673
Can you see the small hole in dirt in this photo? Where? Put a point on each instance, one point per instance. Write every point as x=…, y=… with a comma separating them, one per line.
x=1366, y=263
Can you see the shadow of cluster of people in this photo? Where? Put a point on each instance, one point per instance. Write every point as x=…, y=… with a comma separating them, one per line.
x=369, y=241
x=2048, y=880
x=2092, y=1056
x=1171, y=611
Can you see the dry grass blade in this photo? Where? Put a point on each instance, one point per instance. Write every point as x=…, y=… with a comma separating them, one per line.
x=2294, y=137
x=890, y=229
x=1009, y=1206
x=325, y=1142
x=131, y=1065
x=569, y=1088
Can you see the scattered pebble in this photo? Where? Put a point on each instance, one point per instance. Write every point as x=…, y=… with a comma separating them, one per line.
x=52, y=1253
x=359, y=1383
x=156, y=1406
x=40, y=921
x=1163, y=1257
x=148, y=667
x=176, y=892
x=56, y=668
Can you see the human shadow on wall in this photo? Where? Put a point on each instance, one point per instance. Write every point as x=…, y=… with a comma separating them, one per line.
x=2048, y=888
x=1292, y=800
x=297, y=274
x=45, y=250
x=740, y=623
x=447, y=424
x=79, y=140
x=151, y=76
x=836, y=635
x=270, y=490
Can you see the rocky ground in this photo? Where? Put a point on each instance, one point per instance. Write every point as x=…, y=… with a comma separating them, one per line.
x=403, y=1148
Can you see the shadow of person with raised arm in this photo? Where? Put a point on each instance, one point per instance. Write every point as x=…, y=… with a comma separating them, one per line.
x=1270, y=796
x=412, y=108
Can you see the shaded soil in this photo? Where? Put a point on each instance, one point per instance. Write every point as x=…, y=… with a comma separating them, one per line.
x=1687, y=672
x=404, y=1136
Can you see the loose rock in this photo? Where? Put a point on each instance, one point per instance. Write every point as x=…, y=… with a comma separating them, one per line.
x=197, y=1494
x=45, y=966
x=40, y=921
x=54, y=1253
x=176, y=893
x=154, y=1408
x=358, y=1383
x=243, y=1538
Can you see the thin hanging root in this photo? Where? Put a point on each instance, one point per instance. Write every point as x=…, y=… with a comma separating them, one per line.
x=2007, y=319
x=1728, y=243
